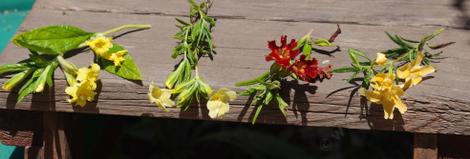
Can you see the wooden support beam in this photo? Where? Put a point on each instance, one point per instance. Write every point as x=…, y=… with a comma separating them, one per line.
x=55, y=139
x=425, y=146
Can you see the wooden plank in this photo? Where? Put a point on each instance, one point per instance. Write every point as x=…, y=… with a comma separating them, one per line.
x=449, y=13
x=438, y=105
x=425, y=146
x=17, y=128
x=55, y=139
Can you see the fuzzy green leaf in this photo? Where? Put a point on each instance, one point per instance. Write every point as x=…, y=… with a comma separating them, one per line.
x=53, y=40
x=127, y=70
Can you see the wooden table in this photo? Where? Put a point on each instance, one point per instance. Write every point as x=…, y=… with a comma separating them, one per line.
x=438, y=106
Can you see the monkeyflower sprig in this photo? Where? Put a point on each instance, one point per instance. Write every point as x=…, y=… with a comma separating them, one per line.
x=293, y=59
x=49, y=46
x=394, y=71
x=195, y=42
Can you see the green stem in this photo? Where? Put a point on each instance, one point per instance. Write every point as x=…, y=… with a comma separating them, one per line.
x=127, y=26
x=196, y=70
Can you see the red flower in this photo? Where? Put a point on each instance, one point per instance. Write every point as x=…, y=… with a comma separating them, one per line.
x=308, y=70
x=284, y=53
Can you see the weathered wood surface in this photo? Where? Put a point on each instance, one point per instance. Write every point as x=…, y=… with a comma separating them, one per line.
x=425, y=146
x=439, y=105
x=18, y=127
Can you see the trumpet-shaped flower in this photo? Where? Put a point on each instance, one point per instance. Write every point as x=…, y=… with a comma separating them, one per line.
x=83, y=89
x=88, y=74
x=100, y=45
x=218, y=103
x=413, y=72
x=381, y=59
x=81, y=92
x=385, y=92
x=284, y=53
x=118, y=57
x=161, y=97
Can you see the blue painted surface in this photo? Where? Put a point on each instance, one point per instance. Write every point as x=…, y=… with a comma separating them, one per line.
x=12, y=13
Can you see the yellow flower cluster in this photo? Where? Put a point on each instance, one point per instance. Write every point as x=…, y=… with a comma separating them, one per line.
x=217, y=105
x=83, y=89
x=385, y=90
x=101, y=46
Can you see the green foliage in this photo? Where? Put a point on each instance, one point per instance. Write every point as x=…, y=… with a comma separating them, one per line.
x=265, y=88
x=406, y=52
x=408, y=49
x=192, y=89
x=195, y=36
x=128, y=68
x=52, y=40
x=195, y=41
x=47, y=46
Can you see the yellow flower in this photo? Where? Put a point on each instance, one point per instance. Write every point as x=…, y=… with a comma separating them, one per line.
x=381, y=59
x=161, y=97
x=83, y=89
x=90, y=74
x=100, y=45
x=81, y=92
x=118, y=57
x=413, y=72
x=386, y=93
x=218, y=103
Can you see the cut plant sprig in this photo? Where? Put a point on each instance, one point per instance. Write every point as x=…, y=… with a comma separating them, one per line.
x=292, y=59
x=195, y=42
x=50, y=44
x=385, y=79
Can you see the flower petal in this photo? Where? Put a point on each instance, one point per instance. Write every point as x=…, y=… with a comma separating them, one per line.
x=399, y=104
x=426, y=70
x=217, y=108
x=388, y=107
x=404, y=71
x=381, y=59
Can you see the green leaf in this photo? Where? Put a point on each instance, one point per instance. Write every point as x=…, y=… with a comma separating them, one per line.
x=345, y=69
x=258, y=111
x=432, y=35
x=248, y=92
x=323, y=42
x=16, y=79
x=353, y=55
x=257, y=80
x=53, y=40
x=282, y=104
x=45, y=77
x=307, y=50
x=182, y=74
x=12, y=68
x=30, y=86
x=127, y=70
x=268, y=98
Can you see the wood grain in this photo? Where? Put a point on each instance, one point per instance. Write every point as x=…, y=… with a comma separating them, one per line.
x=439, y=105
x=425, y=146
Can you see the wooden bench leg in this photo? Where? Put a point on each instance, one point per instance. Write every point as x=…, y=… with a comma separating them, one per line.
x=56, y=145
x=425, y=146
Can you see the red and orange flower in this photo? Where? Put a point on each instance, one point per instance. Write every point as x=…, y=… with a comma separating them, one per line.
x=283, y=54
x=308, y=70
x=305, y=69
